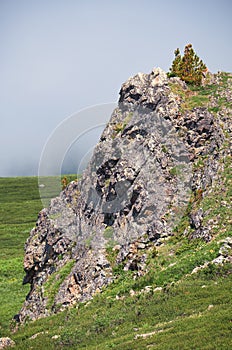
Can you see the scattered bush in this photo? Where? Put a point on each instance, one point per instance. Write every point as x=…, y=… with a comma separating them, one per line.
x=189, y=68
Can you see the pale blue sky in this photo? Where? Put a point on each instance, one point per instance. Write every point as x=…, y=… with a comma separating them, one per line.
x=59, y=56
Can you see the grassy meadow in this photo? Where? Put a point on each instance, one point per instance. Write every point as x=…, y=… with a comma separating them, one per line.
x=20, y=204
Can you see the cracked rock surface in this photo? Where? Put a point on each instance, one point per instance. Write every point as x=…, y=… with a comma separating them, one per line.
x=130, y=196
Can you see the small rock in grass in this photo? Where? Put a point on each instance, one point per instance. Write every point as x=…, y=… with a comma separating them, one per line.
x=132, y=293
x=56, y=336
x=6, y=342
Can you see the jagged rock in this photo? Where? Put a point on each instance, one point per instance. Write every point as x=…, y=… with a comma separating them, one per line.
x=130, y=196
x=226, y=247
x=200, y=231
x=196, y=219
x=6, y=343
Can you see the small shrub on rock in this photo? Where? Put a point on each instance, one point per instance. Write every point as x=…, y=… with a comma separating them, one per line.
x=188, y=67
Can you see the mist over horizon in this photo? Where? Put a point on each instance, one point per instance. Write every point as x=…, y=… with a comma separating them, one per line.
x=75, y=161
x=59, y=57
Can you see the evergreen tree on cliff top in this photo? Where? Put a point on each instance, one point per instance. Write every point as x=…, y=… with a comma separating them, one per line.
x=189, y=68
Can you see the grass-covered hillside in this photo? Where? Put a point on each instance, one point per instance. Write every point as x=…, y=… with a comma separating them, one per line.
x=20, y=204
x=168, y=308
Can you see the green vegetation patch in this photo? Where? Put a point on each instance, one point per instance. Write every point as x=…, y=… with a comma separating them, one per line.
x=20, y=204
x=189, y=67
x=192, y=314
x=192, y=97
x=120, y=126
x=200, y=96
x=51, y=287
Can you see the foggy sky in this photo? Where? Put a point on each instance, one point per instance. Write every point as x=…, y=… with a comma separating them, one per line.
x=60, y=56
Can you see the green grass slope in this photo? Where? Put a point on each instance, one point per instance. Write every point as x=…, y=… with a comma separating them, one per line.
x=20, y=204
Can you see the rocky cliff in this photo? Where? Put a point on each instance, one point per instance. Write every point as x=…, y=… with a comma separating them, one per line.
x=161, y=149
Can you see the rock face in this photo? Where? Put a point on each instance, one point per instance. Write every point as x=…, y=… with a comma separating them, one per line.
x=131, y=195
x=6, y=343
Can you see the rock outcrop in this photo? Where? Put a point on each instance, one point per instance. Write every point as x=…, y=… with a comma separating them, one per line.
x=131, y=195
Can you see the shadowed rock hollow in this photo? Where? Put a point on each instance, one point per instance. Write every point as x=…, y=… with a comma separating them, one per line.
x=130, y=197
